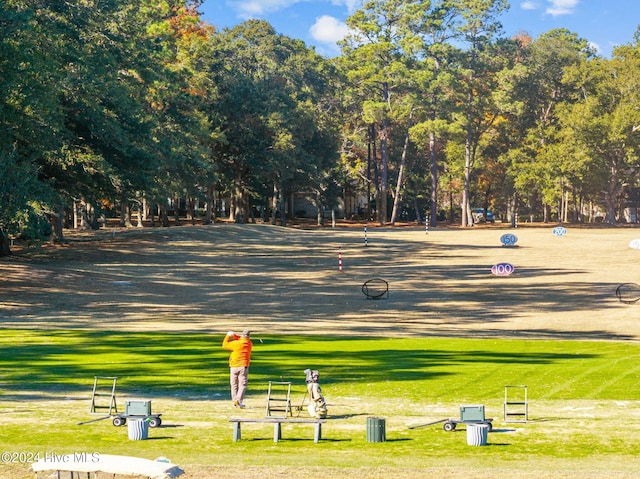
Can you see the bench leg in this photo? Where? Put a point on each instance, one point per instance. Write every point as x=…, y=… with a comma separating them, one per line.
x=317, y=435
x=236, y=431
x=277, y=431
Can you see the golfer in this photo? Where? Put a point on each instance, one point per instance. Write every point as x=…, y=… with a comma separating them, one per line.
x=240, y=347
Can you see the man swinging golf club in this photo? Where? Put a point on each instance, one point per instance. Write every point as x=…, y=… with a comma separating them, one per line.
x=239, y=359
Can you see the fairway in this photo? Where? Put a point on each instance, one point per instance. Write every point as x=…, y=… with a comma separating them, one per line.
x=151, y=306
x=283, y=280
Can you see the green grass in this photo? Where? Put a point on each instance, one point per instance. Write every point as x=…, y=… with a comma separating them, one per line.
x=47, y=379
x=450, y=334
x=430, y=369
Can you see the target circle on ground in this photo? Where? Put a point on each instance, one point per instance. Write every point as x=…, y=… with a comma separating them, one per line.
x=502, y=269
x=559, y=231
x=508, y=239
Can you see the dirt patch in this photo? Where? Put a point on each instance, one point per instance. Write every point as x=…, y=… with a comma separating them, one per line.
x=287, y=280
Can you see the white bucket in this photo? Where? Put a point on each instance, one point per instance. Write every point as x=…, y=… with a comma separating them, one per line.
x=138, y=429
x=477, y=434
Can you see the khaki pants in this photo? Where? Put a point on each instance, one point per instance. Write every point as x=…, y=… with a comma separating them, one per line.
x=239, y=377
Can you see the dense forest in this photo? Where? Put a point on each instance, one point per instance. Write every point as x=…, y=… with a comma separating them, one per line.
x=138, y=109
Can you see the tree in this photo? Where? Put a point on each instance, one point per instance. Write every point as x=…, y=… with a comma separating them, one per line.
x=31, y=119
x=533, y=88
x=480, y=63
x=603, y=124
x=374, y=64
x=432, y=26
x=272, y=115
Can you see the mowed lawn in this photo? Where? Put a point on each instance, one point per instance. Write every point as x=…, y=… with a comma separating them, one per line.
x=151, y=307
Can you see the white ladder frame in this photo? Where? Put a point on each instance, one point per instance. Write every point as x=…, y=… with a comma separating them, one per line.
x=112, y=407
x=286, y=409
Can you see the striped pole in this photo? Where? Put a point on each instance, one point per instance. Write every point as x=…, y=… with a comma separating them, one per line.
x=426, y=224
x=340, y=259
x=366, y=242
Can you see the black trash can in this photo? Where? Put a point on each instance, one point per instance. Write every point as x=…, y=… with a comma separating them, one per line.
x=376, y=429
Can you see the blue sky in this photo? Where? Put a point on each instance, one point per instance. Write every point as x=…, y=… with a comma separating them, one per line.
x=604, y=23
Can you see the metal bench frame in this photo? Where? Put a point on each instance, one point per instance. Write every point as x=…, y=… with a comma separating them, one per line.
x=277, y=426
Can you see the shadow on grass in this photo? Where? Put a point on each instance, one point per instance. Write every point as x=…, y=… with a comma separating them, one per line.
x=291, y=439
x=548, y=419
x=347, y=416
x=190, y=366
x=186, y=275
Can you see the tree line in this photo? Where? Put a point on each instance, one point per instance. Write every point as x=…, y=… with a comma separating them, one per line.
x=129, y=109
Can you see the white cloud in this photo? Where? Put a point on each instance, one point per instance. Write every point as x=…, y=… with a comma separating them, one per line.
x=352, y=5
x=562, y=7
x=529, y=5
x=258, y=8
x=596, y=47
x=328, y=29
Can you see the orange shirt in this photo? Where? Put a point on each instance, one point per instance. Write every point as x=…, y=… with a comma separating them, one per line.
x=240, y=350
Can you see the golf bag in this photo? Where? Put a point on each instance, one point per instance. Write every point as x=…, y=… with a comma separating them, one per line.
x=317, y=407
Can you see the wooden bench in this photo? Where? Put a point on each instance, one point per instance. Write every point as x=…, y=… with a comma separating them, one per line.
x=277, y=426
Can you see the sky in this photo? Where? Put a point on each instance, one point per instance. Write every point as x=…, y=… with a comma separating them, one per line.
x=321, y=23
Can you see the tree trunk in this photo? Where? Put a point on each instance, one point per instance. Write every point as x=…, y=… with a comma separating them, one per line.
x=467, y=219
x=418, y=213
x=433, y=163
x=433, y=159
x=283, y=208
x=163, y=216
x=176, y=210
x=376, y=171
x=5, y=244
x=384, y=132
x=85, y=222
x=209, y=215
x=320, y=214
x=145, y=208
x=384, y=161
x=274, y=203
x=369, y=148
x=76, y=220
x=545, y=213
x=152, y=215
x=140, y=214
x=614, y=190
x=191, y=213
x=125, y=213
x=610, y=208
x=403, y=161
x=56, y=219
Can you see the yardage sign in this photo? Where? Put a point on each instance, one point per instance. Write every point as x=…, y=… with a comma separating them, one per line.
x=635, y=244
x=508, y=239
x=559, y=231
x=502, y=269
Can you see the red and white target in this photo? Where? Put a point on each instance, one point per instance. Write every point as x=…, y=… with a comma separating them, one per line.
x=502, y=269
